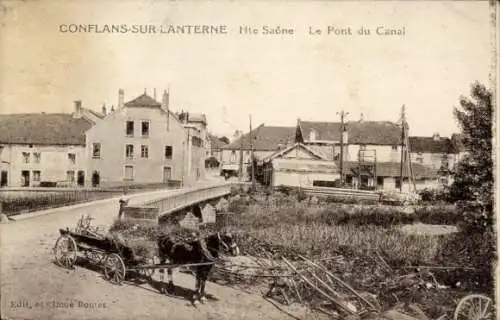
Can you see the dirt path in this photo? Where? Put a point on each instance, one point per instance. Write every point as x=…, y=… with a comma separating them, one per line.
x=32, y=287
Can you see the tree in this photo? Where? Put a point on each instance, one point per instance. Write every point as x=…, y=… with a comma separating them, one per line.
x=472, y=191
x=473, y=175
x=224, y=139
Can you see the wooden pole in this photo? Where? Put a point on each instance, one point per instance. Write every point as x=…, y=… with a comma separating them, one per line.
x=342, y=115
x=251, y=155
x=402, y=148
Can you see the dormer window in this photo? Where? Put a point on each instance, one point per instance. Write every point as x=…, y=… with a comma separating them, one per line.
x=312, y=135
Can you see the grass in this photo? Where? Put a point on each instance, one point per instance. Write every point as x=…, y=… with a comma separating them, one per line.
x=286, y=227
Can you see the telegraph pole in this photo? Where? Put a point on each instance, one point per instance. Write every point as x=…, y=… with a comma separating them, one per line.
x=251, y=153
x=342, y=115
x=403, y=136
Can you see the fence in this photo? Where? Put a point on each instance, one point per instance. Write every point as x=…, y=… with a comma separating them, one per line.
x=343, y=193
x=23, y=200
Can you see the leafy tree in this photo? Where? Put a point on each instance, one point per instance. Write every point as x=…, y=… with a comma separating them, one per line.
x=472, y=187
x=473, y=176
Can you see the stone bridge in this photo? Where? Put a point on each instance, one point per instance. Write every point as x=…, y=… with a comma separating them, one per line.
x=188, y=207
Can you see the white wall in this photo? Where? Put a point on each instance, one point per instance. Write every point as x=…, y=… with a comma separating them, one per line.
x=383, y=153
x=53, y=164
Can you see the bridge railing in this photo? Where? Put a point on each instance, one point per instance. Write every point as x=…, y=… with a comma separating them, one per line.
x=185, y=198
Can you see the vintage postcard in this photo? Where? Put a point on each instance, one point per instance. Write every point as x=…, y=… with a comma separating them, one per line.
x=248, y=159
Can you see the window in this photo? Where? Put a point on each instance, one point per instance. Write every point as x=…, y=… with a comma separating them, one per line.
x=362, y=147
x=168, y=152
x=197, y=142
x=397, y=182
x=36, y=157
x=233, y=156
x=130, y=128
x=144, y=151
x=380, y=181
x=129, y=173
x=72, y=158
x=26, y=157
x=129, y=151
x=445, y=161
x=394, y=148
x=70, y=176
x=145, y=129
x=96, y=150
x=36, y=175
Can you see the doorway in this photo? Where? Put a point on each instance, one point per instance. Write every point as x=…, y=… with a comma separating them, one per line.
x=25, y=178
x=167, y=174
x=3, y=179
x=80, y=180
x=96, y=179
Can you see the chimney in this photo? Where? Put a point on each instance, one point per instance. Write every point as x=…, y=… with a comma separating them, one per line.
x=78, y=108
x=120, y=99
x=154, y=93
x=165, y=100
x=104, y=109
x=164, y=106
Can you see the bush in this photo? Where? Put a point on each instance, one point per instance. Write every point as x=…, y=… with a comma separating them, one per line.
x=439, y=214
x=434, y=195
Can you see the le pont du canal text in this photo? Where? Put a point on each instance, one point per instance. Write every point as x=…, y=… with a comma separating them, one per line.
x=243, y=30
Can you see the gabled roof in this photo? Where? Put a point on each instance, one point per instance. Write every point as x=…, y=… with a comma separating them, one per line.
x=43, y=129
x=216, y=142
x=392, y=169
x=265, y=138
x=143, y=101
x=359, y=132
x=431, y=145
x=297, y=145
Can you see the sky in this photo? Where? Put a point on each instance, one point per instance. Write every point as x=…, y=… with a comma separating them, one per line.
x=275, y=78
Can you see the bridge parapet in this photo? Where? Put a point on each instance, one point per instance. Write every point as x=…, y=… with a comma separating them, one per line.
x=186, y=198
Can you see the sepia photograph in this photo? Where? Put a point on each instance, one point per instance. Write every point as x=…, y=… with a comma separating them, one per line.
x=250, y=160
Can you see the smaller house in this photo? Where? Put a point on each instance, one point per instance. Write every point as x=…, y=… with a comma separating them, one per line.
x=298, y=166
x=387, y=175
x=213, y=151
x=266, y=140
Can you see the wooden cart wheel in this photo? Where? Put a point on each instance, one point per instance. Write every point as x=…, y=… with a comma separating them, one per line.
x=114, y=268
x=474, y=307
x=66, y=251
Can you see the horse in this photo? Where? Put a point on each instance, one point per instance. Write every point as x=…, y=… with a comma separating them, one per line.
x=202, y=251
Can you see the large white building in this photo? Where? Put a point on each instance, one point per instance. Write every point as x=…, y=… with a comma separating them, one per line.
x=144, y=142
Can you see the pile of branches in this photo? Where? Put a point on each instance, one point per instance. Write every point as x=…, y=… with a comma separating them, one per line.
x=344, y=284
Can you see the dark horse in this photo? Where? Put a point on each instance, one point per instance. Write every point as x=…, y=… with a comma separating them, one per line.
x=201, y=251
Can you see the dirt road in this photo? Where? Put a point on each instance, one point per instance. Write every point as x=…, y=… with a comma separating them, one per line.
x=33, y=287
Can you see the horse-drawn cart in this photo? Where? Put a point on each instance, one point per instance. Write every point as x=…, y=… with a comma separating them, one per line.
x=117, y=259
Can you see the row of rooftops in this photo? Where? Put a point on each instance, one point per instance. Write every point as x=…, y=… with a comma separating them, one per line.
x=69, y=128
x=270, y=138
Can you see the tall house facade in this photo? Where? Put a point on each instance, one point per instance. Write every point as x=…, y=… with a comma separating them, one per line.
x=141, y=142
